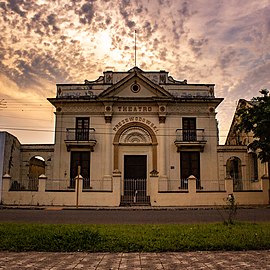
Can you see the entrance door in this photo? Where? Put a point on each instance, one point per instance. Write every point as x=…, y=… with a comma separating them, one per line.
x=190, y=165
x=135, y=178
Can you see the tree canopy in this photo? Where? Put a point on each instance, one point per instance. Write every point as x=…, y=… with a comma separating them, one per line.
x=254, y=117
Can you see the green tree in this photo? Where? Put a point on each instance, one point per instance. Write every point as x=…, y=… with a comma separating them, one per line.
x=254, y=116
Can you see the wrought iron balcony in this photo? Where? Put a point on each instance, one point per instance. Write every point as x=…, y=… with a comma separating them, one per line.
x=190, y=139
x=80, y=138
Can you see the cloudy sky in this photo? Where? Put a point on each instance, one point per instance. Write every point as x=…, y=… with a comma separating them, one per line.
x=225, y=42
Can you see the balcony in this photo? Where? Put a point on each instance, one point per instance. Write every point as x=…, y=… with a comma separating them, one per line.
x=190, y=139
x=80, y=138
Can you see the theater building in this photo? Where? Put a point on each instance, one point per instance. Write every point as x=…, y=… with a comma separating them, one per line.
x=132, y=138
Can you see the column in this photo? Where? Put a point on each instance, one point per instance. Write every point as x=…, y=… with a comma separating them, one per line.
x=162, y=148
x=108, y=152
x=108, y=142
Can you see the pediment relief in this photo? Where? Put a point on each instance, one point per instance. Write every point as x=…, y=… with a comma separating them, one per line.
x=135, y=85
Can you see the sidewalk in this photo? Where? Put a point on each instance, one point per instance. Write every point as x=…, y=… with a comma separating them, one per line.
x=132, y=261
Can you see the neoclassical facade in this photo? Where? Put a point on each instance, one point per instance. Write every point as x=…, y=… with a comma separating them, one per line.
x=132, y=138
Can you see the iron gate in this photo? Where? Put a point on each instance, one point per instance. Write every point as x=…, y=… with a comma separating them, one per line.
x=135, y=192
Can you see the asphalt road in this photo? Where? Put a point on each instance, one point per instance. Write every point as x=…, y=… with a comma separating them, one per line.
x=130, y=216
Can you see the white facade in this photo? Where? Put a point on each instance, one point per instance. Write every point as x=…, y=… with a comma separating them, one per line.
x=138, y=138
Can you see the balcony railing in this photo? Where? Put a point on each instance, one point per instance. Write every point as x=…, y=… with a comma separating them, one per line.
x=189, y=135
x=80, y=134
x=80, y=137
x=190, y=138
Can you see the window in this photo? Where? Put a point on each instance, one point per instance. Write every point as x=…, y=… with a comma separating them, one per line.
x=82, y=128
x=253, y=165
x=80, y=158
x=190, y=165
x=189, y=129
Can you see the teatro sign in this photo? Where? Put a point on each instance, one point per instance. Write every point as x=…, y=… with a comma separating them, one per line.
x=134, y=108
x=135, y=119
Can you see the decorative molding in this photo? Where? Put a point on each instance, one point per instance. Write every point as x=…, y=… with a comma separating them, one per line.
x=108, y=119
x=162, y=119
x=154, y=173
x=135, y=135
x=82, y=108
x=179, y=108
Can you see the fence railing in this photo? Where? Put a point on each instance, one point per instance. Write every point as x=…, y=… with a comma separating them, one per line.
x=182, y=185
x=86, y=184
x=246, y=185
x=97, y=185
x=173, y=185
x=59, y=184
x=211, y=185
x=24, y=184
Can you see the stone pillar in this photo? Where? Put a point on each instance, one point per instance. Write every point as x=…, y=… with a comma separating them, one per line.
x=192, y=184
x=229, y=185
x=5, y=188
x=42, y=183
x=153, y=189
x=266, y=188
x=78, y=188
x=117, y=187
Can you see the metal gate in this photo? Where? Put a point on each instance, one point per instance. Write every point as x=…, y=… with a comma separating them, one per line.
x=134, y=186
x=135, y=192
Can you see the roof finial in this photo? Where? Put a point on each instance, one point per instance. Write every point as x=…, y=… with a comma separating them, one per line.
x=135, y=52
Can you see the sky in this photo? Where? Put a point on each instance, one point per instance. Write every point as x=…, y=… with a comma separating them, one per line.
x=224, y=42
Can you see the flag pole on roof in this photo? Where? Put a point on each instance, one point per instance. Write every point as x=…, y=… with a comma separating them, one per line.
x=135, y=51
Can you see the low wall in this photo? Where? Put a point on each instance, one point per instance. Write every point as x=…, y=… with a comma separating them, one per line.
x=193, y=197
x=190, y=197
x=73, y=197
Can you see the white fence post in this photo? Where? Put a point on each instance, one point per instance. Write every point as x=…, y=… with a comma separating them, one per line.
x=266, y=187
x=192, y=184
x=229, y=185
x=117, y=187
x=78, y=188
x=42, y=183
x=5, y=186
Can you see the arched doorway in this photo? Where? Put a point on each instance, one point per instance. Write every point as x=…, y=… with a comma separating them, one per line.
x=135, y=155
x=233, y=170
x=36, y=168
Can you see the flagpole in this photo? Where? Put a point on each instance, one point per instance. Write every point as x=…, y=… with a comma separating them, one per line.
x=135, y=56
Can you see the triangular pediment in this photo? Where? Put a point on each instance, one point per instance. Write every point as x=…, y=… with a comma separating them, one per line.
x=135, y=85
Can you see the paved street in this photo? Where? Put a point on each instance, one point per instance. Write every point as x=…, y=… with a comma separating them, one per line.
x=133, y=261
x=130, y=216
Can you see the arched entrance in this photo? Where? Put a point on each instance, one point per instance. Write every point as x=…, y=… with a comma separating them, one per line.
x=36, y=168
x=135, y=155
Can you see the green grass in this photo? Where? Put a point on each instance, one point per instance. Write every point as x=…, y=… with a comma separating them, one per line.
x=133, y=238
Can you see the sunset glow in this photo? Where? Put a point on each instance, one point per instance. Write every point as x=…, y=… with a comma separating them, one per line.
x=204, y=41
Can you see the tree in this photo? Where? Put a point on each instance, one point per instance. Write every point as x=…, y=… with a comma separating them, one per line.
x=254, y=116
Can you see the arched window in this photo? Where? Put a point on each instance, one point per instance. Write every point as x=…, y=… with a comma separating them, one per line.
x=233, y=170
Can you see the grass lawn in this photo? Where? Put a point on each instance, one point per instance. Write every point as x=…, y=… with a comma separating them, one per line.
x=133, y=238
